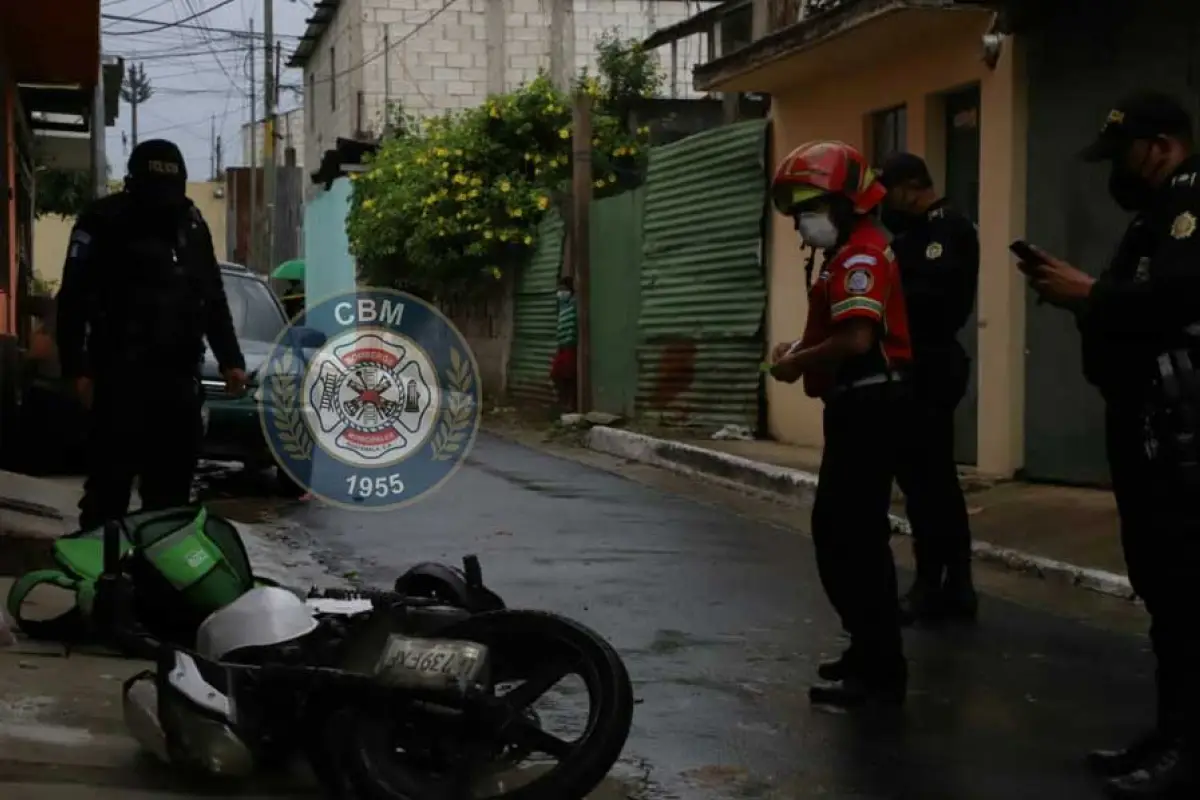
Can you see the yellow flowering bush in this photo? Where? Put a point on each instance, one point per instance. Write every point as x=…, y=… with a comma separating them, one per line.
x=451, y=206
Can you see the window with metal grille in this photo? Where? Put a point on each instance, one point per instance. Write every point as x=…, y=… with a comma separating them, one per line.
x=311, y=101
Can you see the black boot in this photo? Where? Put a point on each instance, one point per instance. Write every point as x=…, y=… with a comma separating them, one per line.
x=834, y=670
x=1113, y=763
x=959, y=602
x=1173, y=775
x=923, y=603
x=861, y=687
x=839, y=668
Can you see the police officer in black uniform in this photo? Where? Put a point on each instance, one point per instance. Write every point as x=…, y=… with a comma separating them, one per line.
x=937, y=249
x=141, y=290
x=1140, y=327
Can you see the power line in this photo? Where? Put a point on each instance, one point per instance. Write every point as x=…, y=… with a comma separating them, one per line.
x=208, y=44
x=174, y=90
x=168, y=55
x=390, y=45
x=180, y=25
x=159, y=4
x=185, y=124
x=162, y=26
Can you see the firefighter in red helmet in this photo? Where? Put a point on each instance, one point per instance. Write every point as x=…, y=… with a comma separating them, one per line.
x=853, y=356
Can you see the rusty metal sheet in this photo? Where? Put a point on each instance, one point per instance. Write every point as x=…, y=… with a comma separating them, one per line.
x=703, y=285
x=535, y=317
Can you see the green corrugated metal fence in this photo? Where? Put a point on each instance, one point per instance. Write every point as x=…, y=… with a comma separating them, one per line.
x=703, y=290
x=535, y=317
x=616, y=262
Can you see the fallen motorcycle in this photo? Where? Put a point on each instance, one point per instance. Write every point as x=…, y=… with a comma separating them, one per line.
x=419, y=694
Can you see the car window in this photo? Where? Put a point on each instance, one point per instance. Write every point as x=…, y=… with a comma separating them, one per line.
x=256, y=314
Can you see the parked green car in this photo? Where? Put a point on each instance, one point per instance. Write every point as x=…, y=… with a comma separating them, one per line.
x=234, y=432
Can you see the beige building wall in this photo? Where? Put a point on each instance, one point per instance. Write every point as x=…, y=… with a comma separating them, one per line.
x=830, y=92
x=452, y=58
x=51, y=233
x=290, y=128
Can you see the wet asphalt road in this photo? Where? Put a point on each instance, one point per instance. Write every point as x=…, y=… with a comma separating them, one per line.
x=721, y=621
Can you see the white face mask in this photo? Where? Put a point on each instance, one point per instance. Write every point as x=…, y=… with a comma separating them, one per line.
x=817, y=230
x=563, y=294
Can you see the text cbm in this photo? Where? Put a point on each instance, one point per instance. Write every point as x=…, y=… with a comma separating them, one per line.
x=367, y=311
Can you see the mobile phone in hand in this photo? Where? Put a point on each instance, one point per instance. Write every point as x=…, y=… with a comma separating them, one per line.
x=1030, y=259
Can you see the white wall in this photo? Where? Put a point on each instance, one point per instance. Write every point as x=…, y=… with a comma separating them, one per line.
x=323, y=78
x=469, y=50
x=290, y=129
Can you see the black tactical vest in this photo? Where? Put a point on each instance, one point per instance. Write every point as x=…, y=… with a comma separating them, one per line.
x=152, y=293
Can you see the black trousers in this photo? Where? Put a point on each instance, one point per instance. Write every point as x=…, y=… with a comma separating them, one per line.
x=927, y=472
x=1160, y=533
x=851, y=532
x=146, y=427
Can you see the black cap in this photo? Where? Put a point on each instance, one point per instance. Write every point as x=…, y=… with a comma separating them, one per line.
x=157, y=158
x=1145, y=115
x=901, y=168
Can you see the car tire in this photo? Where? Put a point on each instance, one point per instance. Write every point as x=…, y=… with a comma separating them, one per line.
x=286, y=486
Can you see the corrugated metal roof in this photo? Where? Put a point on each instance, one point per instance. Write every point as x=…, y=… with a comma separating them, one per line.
x=703, y=288
x=323, y=14
x=535, y=317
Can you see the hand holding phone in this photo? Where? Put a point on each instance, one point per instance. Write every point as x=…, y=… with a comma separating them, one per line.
x=1030, y=259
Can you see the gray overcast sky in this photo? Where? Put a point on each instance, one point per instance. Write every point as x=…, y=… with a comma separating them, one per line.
x=198, y=75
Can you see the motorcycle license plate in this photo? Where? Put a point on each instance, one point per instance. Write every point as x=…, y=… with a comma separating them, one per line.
x=430, y=663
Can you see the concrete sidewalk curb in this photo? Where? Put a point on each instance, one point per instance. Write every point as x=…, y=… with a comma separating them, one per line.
x=35, y=512
x=796, y=486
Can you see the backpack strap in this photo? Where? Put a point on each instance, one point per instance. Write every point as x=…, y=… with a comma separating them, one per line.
x=70, y=626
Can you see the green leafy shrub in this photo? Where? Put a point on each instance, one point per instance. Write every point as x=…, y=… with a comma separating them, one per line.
x=450, y=206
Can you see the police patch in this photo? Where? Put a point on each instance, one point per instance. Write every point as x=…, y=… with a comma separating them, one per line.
x=859, y=281
x=934, y=251
x=1183, y=226
x=163, y=167
x=370, y=399
x=80, y=240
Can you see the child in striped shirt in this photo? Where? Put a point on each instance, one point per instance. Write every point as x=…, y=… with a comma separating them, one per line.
x=563, y=367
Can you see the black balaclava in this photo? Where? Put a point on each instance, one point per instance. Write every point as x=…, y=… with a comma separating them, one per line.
x=157, y=178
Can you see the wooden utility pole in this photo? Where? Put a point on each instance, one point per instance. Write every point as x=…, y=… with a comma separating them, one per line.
x=252, y=256
x=269, y=97
x=581, y=206
x=387, y=79
x=135, y=90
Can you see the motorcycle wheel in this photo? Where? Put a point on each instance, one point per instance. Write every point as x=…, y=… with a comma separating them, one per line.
x=522, y=644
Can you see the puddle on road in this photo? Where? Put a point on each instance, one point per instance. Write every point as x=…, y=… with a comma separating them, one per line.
x=19, y=720
x=41, y=733
x=611, y=788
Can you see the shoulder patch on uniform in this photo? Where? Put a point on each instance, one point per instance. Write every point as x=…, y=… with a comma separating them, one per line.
x=934, y=251
x=1183, y=226
x=80, y=240
x=1188, y=178
x=859, y=281
x=860, y=260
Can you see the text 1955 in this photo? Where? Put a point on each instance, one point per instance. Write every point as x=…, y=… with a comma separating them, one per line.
x=366, y=486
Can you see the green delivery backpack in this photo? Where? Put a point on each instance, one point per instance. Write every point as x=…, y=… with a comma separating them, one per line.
x=185, y=564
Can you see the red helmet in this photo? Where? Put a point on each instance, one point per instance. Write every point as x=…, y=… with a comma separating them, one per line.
x=825, y=168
